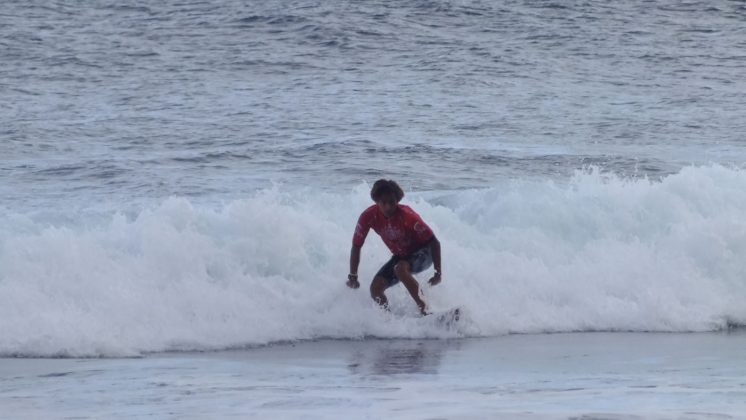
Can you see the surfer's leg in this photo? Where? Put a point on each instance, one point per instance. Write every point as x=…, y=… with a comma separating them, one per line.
x=403, y=272
x=377, y=287
x=383, y=280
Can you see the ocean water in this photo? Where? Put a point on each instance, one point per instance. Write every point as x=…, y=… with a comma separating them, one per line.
x=187, y=175
x=592, y=376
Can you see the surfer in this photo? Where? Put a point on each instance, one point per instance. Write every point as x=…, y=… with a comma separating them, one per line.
x=412, y=243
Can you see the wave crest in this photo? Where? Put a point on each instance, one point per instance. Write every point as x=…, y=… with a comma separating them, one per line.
x=595, y=253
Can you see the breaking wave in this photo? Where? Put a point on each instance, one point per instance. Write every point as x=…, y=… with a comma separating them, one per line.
x=598, y=252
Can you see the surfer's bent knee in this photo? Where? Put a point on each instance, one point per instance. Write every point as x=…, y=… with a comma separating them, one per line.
x=401, y=268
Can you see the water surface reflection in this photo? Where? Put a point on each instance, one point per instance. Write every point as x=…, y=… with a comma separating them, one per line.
x=385, y=357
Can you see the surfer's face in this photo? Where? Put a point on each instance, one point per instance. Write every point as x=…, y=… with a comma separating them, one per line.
x=387, y=204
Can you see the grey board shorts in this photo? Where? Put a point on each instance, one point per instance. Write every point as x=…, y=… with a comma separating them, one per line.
x=419, y=260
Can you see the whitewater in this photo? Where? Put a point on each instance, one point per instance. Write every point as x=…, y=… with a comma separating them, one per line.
x=596, y=252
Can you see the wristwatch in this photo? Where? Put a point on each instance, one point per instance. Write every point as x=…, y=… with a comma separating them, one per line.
x=352, y=277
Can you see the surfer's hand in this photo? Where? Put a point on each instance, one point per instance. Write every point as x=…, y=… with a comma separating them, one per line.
x=352, y=282
x=434, y=280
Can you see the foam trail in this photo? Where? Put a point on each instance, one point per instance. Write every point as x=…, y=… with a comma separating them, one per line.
x=595, y=253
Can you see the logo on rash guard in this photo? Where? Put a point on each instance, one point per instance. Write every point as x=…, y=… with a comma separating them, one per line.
x=419, y=228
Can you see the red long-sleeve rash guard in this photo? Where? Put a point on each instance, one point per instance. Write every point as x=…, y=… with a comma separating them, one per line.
x=404, y=232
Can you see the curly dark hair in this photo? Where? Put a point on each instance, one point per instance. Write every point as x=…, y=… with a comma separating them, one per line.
x=386, y=186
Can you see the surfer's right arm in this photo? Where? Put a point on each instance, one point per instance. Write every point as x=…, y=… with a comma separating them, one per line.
x=354, y=263
x=358, y=239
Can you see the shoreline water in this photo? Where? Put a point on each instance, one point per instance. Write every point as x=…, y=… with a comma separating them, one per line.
x=588, y=375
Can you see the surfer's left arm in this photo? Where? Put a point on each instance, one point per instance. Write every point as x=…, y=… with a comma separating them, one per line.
x=435, y=252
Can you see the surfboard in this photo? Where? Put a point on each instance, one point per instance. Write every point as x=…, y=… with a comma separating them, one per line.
x=446, y=318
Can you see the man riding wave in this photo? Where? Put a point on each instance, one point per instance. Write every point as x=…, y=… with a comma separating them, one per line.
x=412, y=243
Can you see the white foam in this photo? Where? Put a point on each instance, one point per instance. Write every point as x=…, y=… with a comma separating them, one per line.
x=595, y=253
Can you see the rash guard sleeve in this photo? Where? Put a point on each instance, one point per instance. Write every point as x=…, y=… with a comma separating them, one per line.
x=361, y=229
x=422, y=232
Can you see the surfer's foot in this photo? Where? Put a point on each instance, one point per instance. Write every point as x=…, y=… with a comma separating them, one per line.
x=382, y=302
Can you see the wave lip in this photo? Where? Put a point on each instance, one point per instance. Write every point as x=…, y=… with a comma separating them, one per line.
x=596, y=253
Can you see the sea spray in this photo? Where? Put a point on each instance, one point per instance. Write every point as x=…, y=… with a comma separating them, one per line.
x=597, y=252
